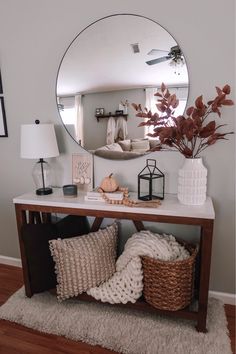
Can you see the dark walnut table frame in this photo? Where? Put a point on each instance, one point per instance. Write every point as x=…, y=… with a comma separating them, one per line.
x=35, y=209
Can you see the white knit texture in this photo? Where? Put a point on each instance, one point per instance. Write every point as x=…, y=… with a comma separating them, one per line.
x=126, y=285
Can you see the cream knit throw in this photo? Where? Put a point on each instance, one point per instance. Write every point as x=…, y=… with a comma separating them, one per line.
x=127, y=282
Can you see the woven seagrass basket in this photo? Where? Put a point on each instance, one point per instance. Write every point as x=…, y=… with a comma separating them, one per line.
x=169, y=285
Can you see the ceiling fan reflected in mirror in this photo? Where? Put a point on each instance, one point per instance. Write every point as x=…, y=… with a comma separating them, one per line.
x=175, y=56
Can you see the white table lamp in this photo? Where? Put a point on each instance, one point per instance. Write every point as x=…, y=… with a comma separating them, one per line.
x=38, y=141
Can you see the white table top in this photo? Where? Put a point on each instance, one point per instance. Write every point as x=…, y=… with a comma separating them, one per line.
x=170, y=206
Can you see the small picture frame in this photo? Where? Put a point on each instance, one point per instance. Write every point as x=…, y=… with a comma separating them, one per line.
x=82, y=171
x=119, y=112
x=99, y=111
x=3, y=121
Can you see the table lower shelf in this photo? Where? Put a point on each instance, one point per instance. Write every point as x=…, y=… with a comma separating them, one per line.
x=142, y=305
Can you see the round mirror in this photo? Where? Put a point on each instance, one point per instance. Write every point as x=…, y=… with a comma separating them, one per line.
x=114, y=62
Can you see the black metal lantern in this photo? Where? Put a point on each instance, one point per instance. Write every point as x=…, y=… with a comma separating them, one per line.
x=151, y=182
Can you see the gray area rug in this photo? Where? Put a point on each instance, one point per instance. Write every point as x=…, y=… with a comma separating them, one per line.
x=122, y=330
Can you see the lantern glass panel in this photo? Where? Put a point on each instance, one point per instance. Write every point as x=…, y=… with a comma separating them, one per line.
x=144, y=189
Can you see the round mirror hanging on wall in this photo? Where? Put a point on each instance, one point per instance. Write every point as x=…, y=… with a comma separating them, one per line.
x=115, y=61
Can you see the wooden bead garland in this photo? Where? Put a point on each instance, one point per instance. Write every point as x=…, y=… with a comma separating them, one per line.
x=126, y=201
x=112, y=201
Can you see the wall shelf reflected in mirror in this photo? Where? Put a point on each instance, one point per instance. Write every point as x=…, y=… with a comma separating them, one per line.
x=114, y=115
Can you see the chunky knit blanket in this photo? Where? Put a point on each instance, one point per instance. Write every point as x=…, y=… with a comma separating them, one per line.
x=126, y=284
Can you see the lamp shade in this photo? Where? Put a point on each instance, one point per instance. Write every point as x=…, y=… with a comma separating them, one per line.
x=38, y=141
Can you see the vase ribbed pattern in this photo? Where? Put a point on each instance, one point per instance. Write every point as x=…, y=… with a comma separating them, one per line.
x=192, y=182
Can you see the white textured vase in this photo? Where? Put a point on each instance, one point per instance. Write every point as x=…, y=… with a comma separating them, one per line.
x=192, y=182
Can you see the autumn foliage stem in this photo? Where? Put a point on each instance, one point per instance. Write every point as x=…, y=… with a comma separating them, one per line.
x=190, y=134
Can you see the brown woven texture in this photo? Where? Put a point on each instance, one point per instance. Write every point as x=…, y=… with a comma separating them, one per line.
x=169, y=285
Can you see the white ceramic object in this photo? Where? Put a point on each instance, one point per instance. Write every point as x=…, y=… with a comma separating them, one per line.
x=192, y=182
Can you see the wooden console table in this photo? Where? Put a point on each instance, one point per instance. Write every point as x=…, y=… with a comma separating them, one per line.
x=30, y=206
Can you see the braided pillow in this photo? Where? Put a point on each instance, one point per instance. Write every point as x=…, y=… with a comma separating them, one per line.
x=85, y=261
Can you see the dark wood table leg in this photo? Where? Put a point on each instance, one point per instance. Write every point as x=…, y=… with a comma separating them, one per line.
x=35, y=217
x=46, y=218
x=205, y=263
x=139, y=225
x=21, y=220
x=96, y=224
x=31, y=217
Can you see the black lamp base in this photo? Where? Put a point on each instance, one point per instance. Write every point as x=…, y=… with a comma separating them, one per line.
x=44, y=191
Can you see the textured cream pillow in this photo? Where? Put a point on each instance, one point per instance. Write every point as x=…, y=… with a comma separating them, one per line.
x=110, y=147
x=140, y=151
x=85, y=261
x=114, y=147
x=153, y=143
x=125, y=144
x=140, y=145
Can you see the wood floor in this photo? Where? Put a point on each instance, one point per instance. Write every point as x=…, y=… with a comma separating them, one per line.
x=16, y=339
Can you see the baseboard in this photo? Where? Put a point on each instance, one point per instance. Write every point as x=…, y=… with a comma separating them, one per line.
x=229, y=299
x=10, y=261
x=225, y=297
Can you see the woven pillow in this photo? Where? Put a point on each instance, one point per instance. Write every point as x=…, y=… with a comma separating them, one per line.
x=140, y=145
x=125, y=144
x=153, y=143
x=139, y=151
x=111, y=147
x=85, y=261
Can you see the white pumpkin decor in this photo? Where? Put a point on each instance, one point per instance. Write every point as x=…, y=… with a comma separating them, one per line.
x=109, y=184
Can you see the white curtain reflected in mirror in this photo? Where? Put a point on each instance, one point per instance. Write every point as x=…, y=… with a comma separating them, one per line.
x=79, y=120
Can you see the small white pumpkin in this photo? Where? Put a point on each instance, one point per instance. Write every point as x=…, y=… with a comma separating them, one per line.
x=109, y=184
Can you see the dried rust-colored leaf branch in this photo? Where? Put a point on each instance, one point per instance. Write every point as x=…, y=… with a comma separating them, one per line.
x=190, y=134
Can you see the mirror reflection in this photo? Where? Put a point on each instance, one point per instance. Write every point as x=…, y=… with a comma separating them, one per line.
x=112, y=63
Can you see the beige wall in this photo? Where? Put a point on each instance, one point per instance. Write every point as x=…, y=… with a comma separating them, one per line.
x=109, y=100
x=33, y=37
